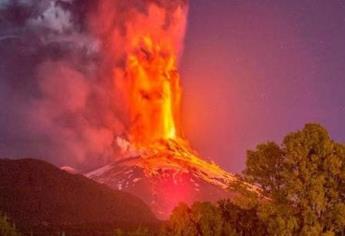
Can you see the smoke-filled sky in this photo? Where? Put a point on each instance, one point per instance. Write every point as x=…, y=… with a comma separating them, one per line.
x=255, y=70
x=63, y=74
x=251, y=71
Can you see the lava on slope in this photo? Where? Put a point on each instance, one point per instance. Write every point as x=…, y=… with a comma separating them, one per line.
x=167, y=174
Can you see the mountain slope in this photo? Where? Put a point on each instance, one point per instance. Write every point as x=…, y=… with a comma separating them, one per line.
x=169, y=172
x=163, y=191
x=36, y=194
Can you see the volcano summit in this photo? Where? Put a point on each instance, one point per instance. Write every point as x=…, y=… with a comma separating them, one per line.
x=167, y=174
x=157, y=162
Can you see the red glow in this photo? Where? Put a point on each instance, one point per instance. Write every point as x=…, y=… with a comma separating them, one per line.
x=172, y=191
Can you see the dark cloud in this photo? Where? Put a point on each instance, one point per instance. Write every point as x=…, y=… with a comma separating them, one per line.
x=49, y=86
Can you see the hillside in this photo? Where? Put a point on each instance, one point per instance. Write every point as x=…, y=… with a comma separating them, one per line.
x=169, y=172
x=38, y=196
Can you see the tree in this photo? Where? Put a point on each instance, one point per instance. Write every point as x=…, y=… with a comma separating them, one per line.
x=6, y=229
x=180, y=222
x=242, y=221
x=305, y=181
x=140, y=231
x=202, y=219
x=207, y=219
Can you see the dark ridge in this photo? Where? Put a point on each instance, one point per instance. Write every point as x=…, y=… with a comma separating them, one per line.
x=38, y=196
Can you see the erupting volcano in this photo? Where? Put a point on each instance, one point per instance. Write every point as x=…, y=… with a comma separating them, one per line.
x=157, y=163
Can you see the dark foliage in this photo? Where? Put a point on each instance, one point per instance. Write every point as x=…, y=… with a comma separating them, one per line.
x=6, y=228
x=207, y=219
x=304, y=178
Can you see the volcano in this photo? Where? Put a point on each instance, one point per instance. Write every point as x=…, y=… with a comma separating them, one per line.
x=167, y=174
x=156, y=161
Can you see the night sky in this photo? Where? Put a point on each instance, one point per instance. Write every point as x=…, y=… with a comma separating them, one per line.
x=255, y=70
x=252, y=71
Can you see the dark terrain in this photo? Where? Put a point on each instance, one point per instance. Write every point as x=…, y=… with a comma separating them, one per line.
x=39, y=197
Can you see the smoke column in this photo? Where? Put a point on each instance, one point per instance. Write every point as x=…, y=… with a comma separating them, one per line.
x=63, y=63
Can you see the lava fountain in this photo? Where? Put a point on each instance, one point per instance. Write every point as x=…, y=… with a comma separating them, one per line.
x=153, y=88
x=149, y=84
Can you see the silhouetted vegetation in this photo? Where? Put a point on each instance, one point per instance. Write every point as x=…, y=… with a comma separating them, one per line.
x=6, y=228
x=303, y=183
x=305, y=179
x=204, y=218
x=140, y=231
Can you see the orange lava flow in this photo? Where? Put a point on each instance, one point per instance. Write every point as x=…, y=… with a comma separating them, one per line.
x=154, y=92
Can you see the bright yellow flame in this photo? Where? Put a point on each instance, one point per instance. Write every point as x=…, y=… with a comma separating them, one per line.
x=154, y=92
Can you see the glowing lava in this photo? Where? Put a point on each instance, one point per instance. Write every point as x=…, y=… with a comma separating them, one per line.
x=153, y=88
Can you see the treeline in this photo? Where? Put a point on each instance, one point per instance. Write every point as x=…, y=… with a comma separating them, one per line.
x=223, y=218
x=204, y=218
x=303, y=193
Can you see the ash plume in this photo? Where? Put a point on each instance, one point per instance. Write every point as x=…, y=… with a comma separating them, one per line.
x=58, y=94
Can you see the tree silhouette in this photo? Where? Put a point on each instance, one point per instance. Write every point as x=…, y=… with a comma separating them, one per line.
x=7, y=229
x=305, y=179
